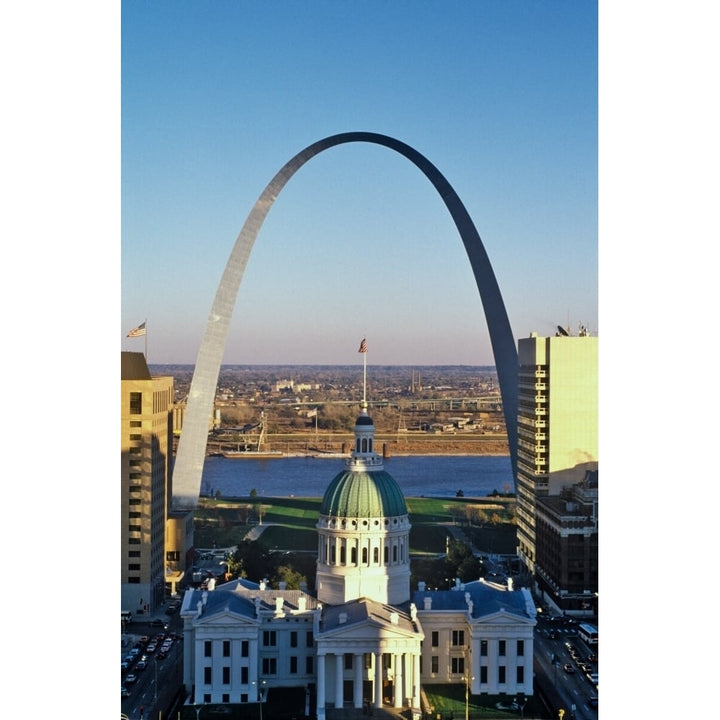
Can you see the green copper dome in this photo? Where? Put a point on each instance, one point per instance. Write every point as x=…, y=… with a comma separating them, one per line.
x=354, y=493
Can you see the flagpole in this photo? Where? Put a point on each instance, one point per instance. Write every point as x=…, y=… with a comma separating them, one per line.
x=364, y=377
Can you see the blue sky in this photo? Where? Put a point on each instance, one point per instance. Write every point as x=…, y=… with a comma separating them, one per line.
x=216, y=97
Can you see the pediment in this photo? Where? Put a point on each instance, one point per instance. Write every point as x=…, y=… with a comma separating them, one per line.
x=369, y=629
x=225, y=617
x=502, y=617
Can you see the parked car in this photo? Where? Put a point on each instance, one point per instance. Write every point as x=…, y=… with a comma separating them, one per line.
x=568, y=668
x=593, y=701
x=125, y=692
x=131, y=678
x=141, y=665
x=159, y=622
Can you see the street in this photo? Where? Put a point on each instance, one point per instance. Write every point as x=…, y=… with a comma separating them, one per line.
x=569, y=691
x=158, y=682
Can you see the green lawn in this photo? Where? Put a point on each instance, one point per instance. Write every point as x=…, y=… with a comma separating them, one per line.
x=448, y=702
x=223, y=522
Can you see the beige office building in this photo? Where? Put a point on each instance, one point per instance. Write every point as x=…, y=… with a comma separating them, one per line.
x=146, y=451
x=557, y=424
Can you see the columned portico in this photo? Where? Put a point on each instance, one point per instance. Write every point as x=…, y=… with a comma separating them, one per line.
x=358, y=681
x=321, y=687
x=378, y=680
x=398, y=681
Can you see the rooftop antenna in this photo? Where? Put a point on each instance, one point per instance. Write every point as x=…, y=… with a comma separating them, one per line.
x=363, y=350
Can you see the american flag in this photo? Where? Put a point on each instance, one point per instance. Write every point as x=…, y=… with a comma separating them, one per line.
x=363, y=346
x=139, y=331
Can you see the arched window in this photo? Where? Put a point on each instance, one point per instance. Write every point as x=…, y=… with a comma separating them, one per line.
x=376, y=556
x=353, y=556
x=370, y=444
x=386, y=555
x=364, y=444
x=394, y=553
x=357, y=445
x=365, y=556
x=342, y=555
x=332, y=554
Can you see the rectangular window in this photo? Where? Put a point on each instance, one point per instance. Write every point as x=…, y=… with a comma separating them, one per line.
x=134, y=541
x=501, y=648
x=520, y=679
x=208, y=675
x=458, y=637
x=269, y=638
x=226, y=648
x=226, y=698
x=457, y=665
x=208, y=648
x=245, y=648
x=269, y=666
x=207, y=698
x=348, y=661
x=135, y=403
x=483, y=648
x=483, y=675
x=134, y=566
x=135, y=436
x=434, y=663
x=520, y=648
x=309, y=638
x=501, y=674
x=293, y=664
x=309, y=665
x=293, y=638
x=244, y=675
x=226, y=676
x=243, y=697
x=435, y=638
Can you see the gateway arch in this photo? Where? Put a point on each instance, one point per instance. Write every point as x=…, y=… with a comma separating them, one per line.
x=187, y=473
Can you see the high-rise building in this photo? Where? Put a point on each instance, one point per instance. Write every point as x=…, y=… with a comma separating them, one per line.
x=146, y=451
x=557, y=436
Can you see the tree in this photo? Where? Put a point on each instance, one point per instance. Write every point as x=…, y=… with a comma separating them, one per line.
x=288, y=575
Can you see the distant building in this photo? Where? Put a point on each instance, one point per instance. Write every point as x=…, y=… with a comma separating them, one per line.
x=557, y=447
x=146, y=450
x=364, y=639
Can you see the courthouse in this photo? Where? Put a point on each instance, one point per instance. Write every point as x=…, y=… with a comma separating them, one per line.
x=363, y=638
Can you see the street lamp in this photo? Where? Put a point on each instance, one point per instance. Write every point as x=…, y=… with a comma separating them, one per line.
x=468, y=680
x=521, y=700
x=198, y=708
x=261, y=689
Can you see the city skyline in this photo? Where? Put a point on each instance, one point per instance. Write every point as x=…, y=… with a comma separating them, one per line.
x=501, y=98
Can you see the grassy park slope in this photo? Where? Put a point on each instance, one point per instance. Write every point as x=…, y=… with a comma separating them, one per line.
x=289, y=523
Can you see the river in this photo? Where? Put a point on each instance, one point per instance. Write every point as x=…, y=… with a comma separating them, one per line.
x=417, y=476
